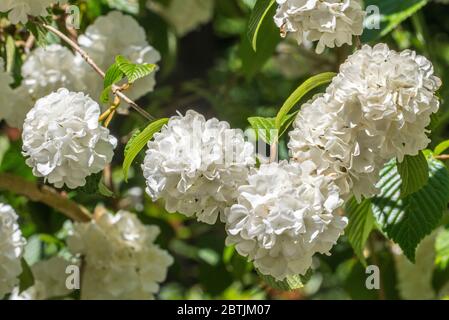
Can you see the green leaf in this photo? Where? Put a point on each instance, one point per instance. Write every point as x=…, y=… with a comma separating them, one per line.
x=300, y=92
x=104, y=190
x=26, y=278
x=266, y=130
x=104, y=98
x=92, y=182
x=112, y=76
x=134, y=71
x=259, y=13
x=442, y=249
x=407, y=220
x=414, y=173
x=361, y=222
x=392, y=13
x=10, y=53
x=253, y=61
x=138, y=141
x=288, y=284
x=443, y=146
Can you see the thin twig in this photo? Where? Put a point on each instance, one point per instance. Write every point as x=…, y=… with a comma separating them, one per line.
x=44, y=194
x=442, y=157
x=88, y=59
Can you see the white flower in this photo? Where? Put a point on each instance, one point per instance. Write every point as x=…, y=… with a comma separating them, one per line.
x=121, y=260
x=331, y=22
x=112, y=35
x=19, y=10
x=46, y=70
x=184, y=15
x=284, y=216
x=63, y=140
x=11, y=249
x=49, y=280
x=395, y=93
x=8, y=99
x=376, y=108
x=196, y=165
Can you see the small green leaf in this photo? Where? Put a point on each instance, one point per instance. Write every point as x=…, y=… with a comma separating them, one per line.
x=267, y=131
x=104, y=190
x=300, y=92
x=414, y=173
x=112, y=76
x=26, y=278
x=10, y=53
x=138, y=141
x=134, y=71
x=259, y=13
x=361, y=222
x=288, y=284
x=92, y=182
x=104, y=98
x=407, y=220
x=443, y=146
x=442, y=249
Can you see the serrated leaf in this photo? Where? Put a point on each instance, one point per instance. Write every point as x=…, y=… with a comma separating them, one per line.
x=266, y=129
x=138, y=142
x=414, y=173
x=134, y=71
x=300, y=92
x=442, y=249
x=112, y=76
x=407, y=220
x=104, y=98
x=26, y=278
x=361, y=223
x=392, y=13
x=443, y=146
x=259, y=13
x=288, y=284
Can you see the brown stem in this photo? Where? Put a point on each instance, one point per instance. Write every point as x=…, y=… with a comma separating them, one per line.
x=442, y=157
x=44, y=194
x=88, y=59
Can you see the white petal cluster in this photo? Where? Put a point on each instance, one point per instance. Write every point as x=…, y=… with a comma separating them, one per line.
x=121, y=260
x=330, y=22
x=8, y=100
x=117, y=34
x=284, y=216
x=376, y=108
x=11, y=249
x=185, y=15
x=19, y=10
x=49, y=280
x=63, y=140
x=196, y=165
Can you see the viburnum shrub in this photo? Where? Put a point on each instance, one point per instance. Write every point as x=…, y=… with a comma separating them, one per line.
x=102, y=199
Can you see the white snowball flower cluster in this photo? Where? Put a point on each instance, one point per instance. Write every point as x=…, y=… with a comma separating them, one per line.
x=112, y=35
x=376, y=108
x=49, y=280
x=284, y=216
x=11, y=249
x=8, y=99
x=185, y=15
x=330, y=22
x=19, y=10
x=121, y=260
x=196, y=166
x=63, y=140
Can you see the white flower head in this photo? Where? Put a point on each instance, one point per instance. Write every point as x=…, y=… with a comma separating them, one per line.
x=8, y=99
x=19, y=10
x=285, y=214
x=112, y=35
x=196, y=165
x=185, y=15
x=395, y=93
x=11, y=249
x=49, y=280
x=63, y=140
x=121, y=260
x=330, y=22
x=376, y=108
